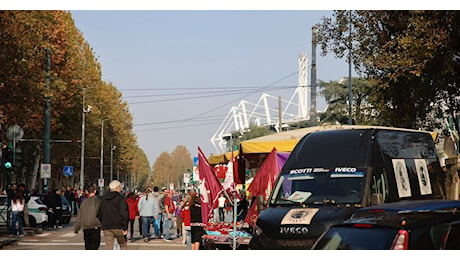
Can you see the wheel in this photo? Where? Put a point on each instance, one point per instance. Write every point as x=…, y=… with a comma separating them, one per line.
x=32, y=221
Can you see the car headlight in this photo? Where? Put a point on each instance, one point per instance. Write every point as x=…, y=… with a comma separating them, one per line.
x=257, y=230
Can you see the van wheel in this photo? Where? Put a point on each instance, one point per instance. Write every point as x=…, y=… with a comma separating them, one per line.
x=32, y=222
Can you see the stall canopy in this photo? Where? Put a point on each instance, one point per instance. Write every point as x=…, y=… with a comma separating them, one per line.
x=282, y=142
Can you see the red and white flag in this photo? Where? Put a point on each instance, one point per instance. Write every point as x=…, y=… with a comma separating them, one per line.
x=210, y=187
x=262, y=184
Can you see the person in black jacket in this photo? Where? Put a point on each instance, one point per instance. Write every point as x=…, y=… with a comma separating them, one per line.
x=50, y=202
x=113, y=214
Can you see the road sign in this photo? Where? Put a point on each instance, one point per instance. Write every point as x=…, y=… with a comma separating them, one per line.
x=186, y=178
x=171, y=186
x=45, y=171
x=68, y=170
x=100, y=183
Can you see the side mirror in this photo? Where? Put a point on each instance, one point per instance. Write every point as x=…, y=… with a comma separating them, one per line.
x=261, y=204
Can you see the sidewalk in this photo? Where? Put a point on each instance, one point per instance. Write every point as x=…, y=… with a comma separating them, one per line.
x=4, y=241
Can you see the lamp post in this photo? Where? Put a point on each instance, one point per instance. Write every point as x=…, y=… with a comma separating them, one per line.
x=82, y=161
x=112, y=148
x=101, y=175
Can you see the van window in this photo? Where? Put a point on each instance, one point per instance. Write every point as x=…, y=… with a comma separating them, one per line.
x=379, y=189
x=345, y=148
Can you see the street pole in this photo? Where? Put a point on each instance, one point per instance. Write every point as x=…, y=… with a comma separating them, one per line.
x=112, y=148
x=101, y=175
x=82, y=161
x=313, y=79
x=46, y=143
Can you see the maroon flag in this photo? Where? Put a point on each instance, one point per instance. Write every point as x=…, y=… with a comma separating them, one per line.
x=210, y=187
x=262, y=184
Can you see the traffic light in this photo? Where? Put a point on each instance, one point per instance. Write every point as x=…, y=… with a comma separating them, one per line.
x=7, y=158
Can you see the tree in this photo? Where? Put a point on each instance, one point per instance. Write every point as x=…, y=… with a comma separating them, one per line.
x=411, y=55
x=336, y=95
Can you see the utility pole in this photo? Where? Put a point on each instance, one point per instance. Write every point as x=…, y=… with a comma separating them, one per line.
x=313, y=78
x=101, y=175
x=82, y=161
x=112, y=148
x=46, y=143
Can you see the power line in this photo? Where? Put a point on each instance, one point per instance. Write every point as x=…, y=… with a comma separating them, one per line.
x=211, y=110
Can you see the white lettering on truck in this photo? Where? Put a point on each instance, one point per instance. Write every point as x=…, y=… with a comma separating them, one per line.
x=293, y=230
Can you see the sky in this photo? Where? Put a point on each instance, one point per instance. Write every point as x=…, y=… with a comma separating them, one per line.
x=205, y=57
x=209, y=53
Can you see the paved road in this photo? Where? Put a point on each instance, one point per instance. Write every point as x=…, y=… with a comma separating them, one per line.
x=66, y=239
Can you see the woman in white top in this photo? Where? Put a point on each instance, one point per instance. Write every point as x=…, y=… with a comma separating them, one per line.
x=17, y=209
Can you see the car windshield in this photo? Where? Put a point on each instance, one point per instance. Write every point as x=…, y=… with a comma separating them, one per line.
x=318, y=185
x=354, y=238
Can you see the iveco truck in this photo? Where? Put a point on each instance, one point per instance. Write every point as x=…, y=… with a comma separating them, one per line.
x=330, y=174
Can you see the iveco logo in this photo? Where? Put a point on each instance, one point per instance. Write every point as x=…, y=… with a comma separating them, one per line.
x=293, y=230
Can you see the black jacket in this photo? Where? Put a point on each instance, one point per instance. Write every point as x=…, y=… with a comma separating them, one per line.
x=113, y=211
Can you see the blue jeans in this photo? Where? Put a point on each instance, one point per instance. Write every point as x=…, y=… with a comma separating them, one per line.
x=166, y=226
x=16, y=217
x=146, y=226
x=156, y=225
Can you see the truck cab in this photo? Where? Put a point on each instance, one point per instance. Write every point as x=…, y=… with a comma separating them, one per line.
x=330, y=174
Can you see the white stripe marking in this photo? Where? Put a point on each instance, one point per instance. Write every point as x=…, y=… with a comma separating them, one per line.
x=102, y=244
x=71, y=234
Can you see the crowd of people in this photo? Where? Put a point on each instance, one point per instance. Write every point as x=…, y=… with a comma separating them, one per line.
x=114, y=215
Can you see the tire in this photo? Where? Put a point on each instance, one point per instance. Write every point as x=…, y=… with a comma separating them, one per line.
x=32, y=221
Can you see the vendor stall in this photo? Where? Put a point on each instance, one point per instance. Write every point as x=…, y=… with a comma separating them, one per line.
x=220, y=236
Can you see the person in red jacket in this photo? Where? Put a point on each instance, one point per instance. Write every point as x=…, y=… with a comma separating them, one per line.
x=133, y=212
x=185, y=215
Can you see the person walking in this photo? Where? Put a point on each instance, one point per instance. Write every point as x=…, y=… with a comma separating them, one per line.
x=148, y=209
x=133, y=213
x=17, y=213
x=169, y=211
x=196, y=222
x=87, y=220
x=50, y=203
x=179, y=219
x=58, y=209
x=113, y=214
x=221, y=200
x=185, y=215
x=157, y=221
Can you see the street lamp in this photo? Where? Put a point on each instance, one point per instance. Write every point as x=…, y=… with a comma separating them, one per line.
x=82, y=161
x=113, y=147
x=101, y=176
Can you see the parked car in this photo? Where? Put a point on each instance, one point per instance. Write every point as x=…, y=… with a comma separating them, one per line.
x=66, y=210
x=452, y=237
x=37, y=211
x=401, y=225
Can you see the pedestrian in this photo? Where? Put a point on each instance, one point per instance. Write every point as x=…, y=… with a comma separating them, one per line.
x=113, y=214
x=185, y=215
x=22, y=188
x=179, y=219
x=88, y=221
x=50, y=202
x=133, y=213
x=58, y=209
x=17, y=213
x=169, y=211
x=11, y=192
x=148, y=209
x=196, y=222
x=221, y=200
x=157, y=221
x=137, y=212
x=242, y=207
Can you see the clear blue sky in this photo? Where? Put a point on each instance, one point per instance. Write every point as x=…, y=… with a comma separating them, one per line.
x=189, y=50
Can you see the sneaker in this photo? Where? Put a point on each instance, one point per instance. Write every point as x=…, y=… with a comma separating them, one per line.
x=60, y=227
x=21, y=235
x=167, y=240
x=146, y=240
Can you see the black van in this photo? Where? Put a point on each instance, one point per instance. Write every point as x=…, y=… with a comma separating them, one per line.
x=332, y=173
